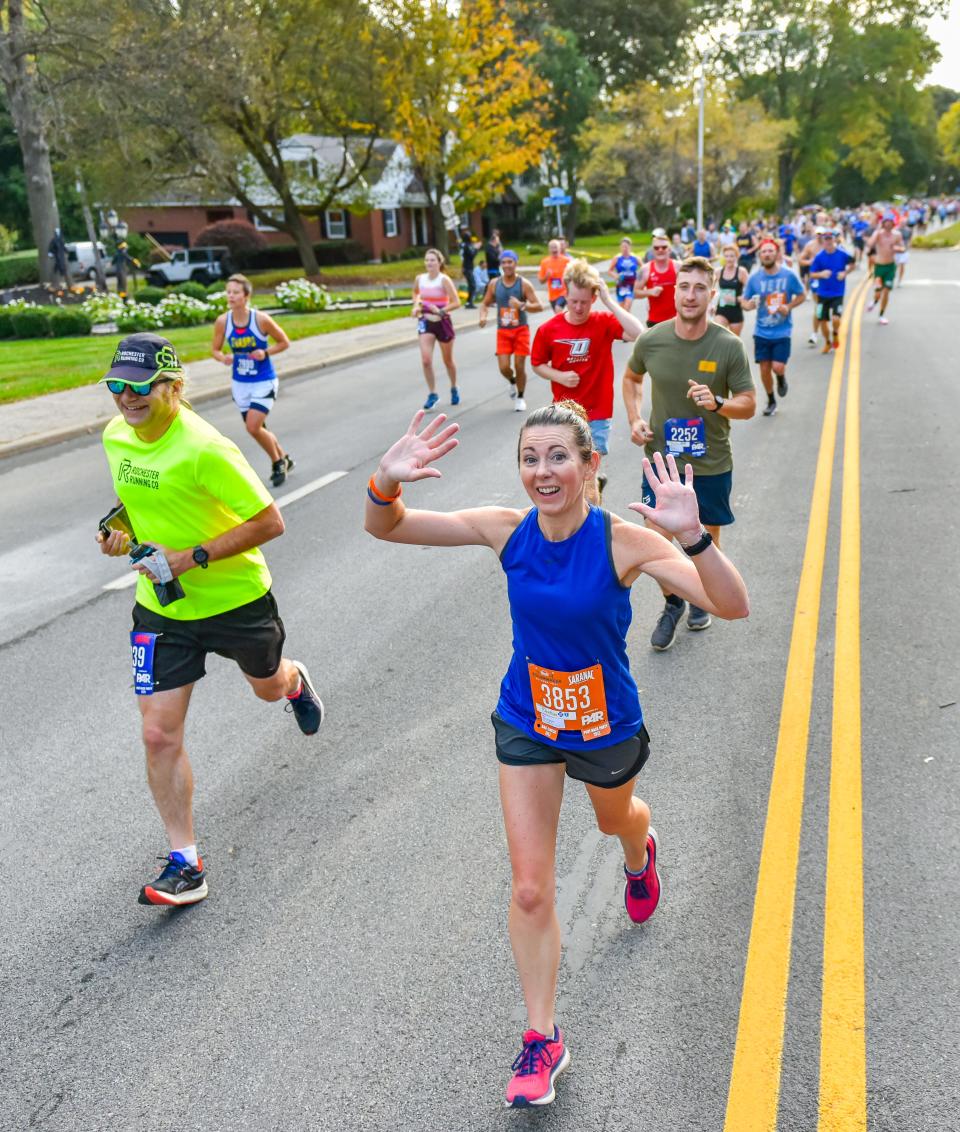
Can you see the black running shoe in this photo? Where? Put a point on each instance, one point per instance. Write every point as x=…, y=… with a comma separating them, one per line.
x=307, y=707
x=771, y=407
x=601, y=484
x=279, y=471
x=179, y=883
x=666, y=630
x=698, y=618
x=782, y=384
x=288, y=462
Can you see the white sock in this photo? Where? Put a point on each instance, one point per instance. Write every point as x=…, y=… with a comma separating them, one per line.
x=189, y=854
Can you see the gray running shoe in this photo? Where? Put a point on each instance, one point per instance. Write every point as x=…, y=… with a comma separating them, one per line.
x=771, y=407
x=663, y=636
x=698, y=618
x=782, y=384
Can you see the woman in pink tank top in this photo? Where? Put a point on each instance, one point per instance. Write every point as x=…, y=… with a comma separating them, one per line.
x=434, y=297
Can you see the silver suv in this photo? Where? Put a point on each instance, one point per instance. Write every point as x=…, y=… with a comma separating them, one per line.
x=202, y=265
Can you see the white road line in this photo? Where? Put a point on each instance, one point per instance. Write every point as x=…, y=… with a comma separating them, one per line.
x=130, y=579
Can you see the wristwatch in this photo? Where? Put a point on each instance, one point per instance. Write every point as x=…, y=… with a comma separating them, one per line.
x=201, y=557
x=720, y=402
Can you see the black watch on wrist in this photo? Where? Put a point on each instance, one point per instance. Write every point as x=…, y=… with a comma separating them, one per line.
x=201, y=557
x=720, y=402
x=705, y=540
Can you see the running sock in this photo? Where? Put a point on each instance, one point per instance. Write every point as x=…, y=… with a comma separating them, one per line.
x=189, y=854
x=296, y=695
x=675, y=601
x=630, y=873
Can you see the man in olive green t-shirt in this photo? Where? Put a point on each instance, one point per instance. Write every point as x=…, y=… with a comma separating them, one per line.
x=700, y=381
x=192, y=501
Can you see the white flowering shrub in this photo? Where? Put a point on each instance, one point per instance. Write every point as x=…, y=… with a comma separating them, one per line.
x=104, y=307
x=302, y=295
x=15, y=306
x=139, y=316
x=218, y=302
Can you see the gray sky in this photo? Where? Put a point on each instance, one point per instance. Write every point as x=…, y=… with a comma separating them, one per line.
x=946, y=32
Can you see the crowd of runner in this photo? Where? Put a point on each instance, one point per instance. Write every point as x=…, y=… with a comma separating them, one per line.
x=191, y=514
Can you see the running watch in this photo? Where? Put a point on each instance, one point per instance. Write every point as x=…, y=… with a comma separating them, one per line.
x=201, y=557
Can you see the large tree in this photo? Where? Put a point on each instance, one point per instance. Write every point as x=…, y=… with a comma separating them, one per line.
x=27, y=105
x=643, y=147
x=246, y=76
x=469, y=103
x=830, y=74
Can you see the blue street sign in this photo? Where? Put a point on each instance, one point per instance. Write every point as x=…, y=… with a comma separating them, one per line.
x=553, y=201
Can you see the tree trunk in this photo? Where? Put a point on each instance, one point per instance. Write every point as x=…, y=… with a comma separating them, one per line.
x=440, y=234
x=784, y=181
x=23, y=99
x=573, y=209
x=301, y=237
x=92, y=235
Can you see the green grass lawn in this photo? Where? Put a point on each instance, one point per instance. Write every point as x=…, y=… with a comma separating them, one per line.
x=947, y=237
x=42, y=365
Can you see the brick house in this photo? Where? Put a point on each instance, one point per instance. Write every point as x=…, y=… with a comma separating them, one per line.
x=396, y=213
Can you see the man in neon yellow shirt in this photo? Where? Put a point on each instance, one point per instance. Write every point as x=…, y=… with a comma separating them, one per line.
x=205, y=587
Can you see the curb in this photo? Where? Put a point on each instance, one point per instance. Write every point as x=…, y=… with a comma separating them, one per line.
x=91, y=428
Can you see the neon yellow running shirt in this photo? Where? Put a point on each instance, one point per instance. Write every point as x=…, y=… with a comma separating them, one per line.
x=183, y=490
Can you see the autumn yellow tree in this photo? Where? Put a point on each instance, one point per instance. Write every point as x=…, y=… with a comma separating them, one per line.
x=469, y=104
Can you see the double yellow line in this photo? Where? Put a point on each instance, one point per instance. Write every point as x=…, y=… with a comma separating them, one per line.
x=755, y=1081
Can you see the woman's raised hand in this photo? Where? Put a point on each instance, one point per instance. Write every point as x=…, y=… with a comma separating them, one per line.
x=410, y=458
x=676, y=509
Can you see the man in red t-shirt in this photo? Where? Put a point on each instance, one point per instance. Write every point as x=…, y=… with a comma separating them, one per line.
x=574, y=351
x=657, y=282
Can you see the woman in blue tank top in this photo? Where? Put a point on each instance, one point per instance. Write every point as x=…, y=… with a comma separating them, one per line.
x=568, y=703
x=247, y=333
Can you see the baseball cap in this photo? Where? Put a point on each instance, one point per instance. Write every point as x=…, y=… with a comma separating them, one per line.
x=659, y=233
x=769, y=244
x=141, y=358
x=506, y=253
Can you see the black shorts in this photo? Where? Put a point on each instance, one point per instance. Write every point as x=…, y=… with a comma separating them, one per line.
x=252, y=635
x=608, y=767
x=829, y=305
x=731, y=314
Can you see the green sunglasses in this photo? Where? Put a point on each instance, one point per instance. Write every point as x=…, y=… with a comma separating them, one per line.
x=141, y=388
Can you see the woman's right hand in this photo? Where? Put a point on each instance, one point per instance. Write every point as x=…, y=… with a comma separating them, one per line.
x=410, y=458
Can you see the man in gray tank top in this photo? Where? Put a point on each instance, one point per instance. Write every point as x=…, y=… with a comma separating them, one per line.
x=514, y=298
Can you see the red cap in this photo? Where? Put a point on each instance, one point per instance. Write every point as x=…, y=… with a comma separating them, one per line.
x=770, y=243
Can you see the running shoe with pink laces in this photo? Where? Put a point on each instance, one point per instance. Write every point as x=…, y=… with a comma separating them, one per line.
x=537, y=1066
x=641, y=893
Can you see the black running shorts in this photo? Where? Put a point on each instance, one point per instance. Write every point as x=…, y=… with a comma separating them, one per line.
x=608, y=767
x=252, y=635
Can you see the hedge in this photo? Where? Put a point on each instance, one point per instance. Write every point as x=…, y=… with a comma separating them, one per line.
x=6, y=324
x=193, y=289
x=19, y=268
x=329, y=253
x=151, y=295
x=65, y=322
x=31, y=324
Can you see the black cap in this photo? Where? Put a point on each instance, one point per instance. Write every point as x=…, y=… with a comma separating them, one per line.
x=143, y=357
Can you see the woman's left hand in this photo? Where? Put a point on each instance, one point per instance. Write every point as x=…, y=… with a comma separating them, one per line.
x=676, y=509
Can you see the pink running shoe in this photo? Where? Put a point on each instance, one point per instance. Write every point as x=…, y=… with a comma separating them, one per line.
x=641, y=893
x=537, y=1066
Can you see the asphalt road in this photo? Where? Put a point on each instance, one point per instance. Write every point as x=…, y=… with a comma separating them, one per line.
x=351, y=968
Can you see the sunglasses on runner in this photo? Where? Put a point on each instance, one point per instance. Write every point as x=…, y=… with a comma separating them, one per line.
x=141, y=388
x=661, y=247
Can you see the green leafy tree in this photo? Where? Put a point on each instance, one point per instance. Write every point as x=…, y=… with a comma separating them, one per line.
x=574, y=85
x=213, y=115
x=831, y=75
x=623, y=43
x=948, y=135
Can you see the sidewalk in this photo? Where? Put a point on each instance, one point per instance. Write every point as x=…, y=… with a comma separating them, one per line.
x=55, y=417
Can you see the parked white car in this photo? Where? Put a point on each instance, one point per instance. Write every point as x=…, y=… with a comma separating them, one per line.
x=203, y=265
x=80, y=260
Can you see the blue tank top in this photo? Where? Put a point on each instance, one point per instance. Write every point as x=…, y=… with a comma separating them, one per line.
x=626, y=268
x=243, y=341
x=570, y=614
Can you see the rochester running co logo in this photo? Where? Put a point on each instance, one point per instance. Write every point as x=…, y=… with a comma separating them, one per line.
x=130, y=473
x=579, y=348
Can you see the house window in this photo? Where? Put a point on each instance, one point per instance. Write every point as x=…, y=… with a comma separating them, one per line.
x=336, y=222
x=391, y=222
x=262, y=225
x=216, y=214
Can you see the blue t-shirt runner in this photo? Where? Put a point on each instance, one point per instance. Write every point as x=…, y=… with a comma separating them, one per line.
x=833, y=261
x=626, y=268
x=774, y=291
